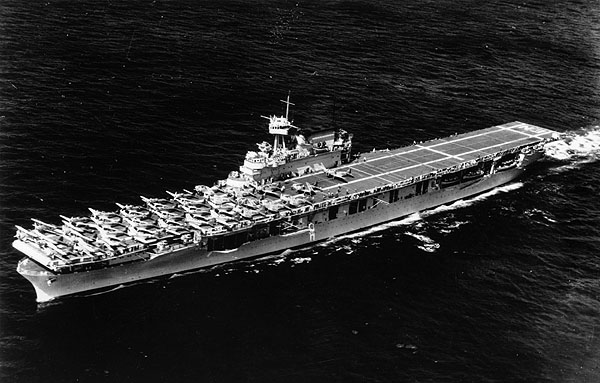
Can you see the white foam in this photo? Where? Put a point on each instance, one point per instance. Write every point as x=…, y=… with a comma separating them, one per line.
x=427, y=244
x=450, y=227
x=301, y=260
x=429, y=247
x=533, y=212
x=277, y=258
x=118, y=287
x=576, y=145
x=461, y=203
x=420, y=237
x=357, y=235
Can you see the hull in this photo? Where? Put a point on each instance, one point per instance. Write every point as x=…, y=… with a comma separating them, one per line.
x=49, y=285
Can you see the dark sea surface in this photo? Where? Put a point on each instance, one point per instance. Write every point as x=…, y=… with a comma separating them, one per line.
x=103, y=101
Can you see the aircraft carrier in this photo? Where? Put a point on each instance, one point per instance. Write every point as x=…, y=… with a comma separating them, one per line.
x=291, y=193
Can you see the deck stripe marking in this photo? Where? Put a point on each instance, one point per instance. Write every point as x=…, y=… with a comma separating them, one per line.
x=524, y=133
x=440, y=152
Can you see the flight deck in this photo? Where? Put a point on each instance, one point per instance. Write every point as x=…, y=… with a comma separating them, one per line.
x=385, y=167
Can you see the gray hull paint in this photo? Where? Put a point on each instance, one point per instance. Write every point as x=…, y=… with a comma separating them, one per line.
x=49, y=286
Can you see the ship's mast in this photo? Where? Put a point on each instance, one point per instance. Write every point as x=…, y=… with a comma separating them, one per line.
x=287, y=106
x=279, y=126
x=281, y=138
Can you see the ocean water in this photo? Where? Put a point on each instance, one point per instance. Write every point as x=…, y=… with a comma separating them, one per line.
x=101, y=102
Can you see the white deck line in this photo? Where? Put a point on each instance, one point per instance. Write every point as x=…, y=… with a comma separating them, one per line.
x=500, y=127
x=384, y=179
x=384, y=157
x=503, y=143
x=511, y=128
x=377, y=174
x=468, y=137
x=364, y=171
x=386, y=173
x=440, y=152
x=368, y=166
x=427, y=163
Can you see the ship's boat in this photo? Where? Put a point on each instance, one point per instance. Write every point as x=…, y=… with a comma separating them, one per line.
x=506, y=162
x=472, y=173
x=296, y=191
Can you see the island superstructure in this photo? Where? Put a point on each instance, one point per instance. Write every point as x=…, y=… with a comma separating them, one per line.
x=296, y=191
